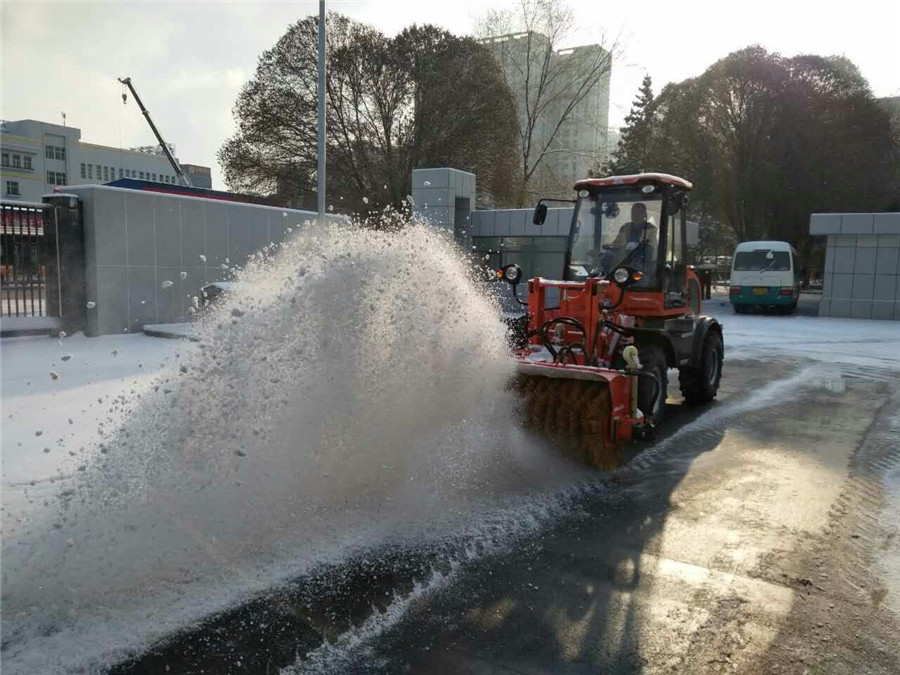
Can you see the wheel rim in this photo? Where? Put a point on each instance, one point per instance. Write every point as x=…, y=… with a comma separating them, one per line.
x=712, y=368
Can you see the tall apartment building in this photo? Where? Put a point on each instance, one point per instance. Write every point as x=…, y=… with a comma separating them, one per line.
x=38, y=157
x=581, y=141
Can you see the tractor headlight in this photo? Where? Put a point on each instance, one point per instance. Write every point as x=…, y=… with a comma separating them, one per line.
x=512, y=274
x=620, y=276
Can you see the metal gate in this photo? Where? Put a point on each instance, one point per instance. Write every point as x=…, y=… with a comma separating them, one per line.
x=24, y=264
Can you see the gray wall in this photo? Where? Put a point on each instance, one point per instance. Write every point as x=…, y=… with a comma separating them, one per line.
x=136, y=240
x=517, y=223
x=445, y=197
x=862, y=264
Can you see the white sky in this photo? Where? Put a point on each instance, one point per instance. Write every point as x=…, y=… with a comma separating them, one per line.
x=189, y=59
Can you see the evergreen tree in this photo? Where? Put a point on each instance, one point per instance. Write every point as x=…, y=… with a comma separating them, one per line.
x=632, y=153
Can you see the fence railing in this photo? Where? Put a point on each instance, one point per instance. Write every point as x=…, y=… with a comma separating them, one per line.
x=23, y=258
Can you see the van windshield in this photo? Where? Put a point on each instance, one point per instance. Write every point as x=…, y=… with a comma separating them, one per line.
x=759, y=261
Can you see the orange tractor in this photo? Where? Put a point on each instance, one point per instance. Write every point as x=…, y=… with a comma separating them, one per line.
x=593, y=365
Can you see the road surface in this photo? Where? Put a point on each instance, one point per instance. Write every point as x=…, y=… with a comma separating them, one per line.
x=754, y=536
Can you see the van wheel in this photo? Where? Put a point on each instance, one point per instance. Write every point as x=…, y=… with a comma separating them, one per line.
x=740, y=309
x=699, y=384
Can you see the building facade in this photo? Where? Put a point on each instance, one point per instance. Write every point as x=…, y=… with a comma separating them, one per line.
x=38, y=157
x=578, y=143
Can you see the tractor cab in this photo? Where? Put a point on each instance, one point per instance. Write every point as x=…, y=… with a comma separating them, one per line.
x=637, y=224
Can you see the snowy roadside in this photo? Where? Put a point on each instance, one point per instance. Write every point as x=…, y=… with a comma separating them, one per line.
x=56, y=394
x=850, y=342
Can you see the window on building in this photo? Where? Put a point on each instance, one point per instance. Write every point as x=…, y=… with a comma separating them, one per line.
x=5, y=160
x=90, y=168
x=17, y=161
x=154, y=177
x=120, y=172
x=105, y=173
x=26, y=162
x=83, y=170
x=127, y=173
x=98, y=171
x=12, y=188
x=48, y=151
x=59, y=153
x=141, y=174
x=56, y=177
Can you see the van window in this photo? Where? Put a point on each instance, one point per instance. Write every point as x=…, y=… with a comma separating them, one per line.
x=755, y=261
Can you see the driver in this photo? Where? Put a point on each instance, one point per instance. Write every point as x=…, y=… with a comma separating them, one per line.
x=630, y=236
x=633, y=233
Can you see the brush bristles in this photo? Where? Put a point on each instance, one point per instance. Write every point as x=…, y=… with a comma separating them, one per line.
x=573, y=415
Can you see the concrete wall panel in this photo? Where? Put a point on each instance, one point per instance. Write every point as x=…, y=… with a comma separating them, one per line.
x=134, y=241
x=887, y=223
x=140, y=229
x=857, y=223
x=825, y=223
x=887, y=260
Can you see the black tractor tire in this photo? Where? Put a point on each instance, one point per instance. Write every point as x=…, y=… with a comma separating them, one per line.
x=699, y=384
x=653, y=360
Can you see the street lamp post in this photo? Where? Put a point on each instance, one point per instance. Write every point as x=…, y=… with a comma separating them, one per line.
x=321, y=172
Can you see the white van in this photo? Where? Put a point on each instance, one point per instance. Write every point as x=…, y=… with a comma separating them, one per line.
x=765, y=274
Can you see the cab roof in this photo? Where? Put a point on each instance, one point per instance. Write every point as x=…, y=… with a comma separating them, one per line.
x=634, y=179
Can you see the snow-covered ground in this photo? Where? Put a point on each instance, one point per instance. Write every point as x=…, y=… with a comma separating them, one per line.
x=56, y=393
x=853, y=342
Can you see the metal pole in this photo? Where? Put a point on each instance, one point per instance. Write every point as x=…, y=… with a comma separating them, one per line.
x=321, y=93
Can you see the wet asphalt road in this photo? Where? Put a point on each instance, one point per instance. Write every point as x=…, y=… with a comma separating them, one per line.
x=743, y=540
x=747, y=546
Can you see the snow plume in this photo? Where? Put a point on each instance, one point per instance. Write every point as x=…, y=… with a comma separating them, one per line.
x=350, y=387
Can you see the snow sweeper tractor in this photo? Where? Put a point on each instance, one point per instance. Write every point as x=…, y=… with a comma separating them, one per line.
x=592, y=368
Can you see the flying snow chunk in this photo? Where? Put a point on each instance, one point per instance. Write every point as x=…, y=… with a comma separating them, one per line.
x=91, y=304
x=62, y=333
x=202, y=257
x=427, y=183
x=410, y=200
x=331, y=207
x=65, y=357
x=184, y=275
x=166, y=284
x=115, y=352
x=54, y=375
x=365, y=200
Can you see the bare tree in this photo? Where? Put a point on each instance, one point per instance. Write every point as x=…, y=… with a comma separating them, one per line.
x=553, y=84
x=421, y=98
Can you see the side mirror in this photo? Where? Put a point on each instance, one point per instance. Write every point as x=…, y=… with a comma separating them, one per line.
x=674, y=205
x=512, y=274
x=540, y=214
x=626, y=276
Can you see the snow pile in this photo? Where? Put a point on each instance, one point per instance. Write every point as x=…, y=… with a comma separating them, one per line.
x=351, y=387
